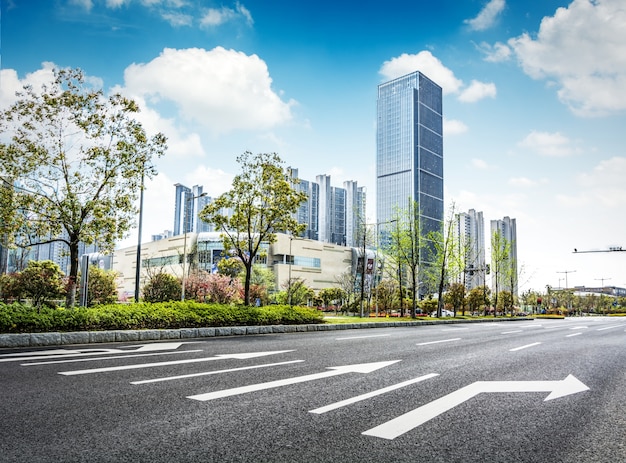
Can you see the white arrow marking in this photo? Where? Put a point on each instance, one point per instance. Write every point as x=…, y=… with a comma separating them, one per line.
x=206, y=373
x=411, y=420
x=335, y=371
x=73, y=360
x=173, y=362
x=369, y=395
x=65, y=353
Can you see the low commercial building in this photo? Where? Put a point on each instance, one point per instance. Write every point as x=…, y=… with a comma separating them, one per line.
x=316, y=263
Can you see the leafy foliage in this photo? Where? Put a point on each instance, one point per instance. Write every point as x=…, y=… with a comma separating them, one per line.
x=18, y=318
x=101, y=286
x=41, y=281
x=75, y=162
x=162, y=287
x=262, y=201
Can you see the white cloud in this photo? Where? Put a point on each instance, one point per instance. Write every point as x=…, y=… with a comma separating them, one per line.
x=549, y=144
x=224, y=90
x=605, y=183
x=178, y=19
x=581, y=49
x=524, y=182
x=495, y=53
x=214, y=17
x=487, y=16
x=11, y=83
x=214, y=181
x=433, y=68
x=427, y=64
x=480, y=164
x=453, y=127
x=477, y=91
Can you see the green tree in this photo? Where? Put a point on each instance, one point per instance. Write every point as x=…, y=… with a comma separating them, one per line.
x=456, y=297
x=500, y=256
x=331, y=296
x=261, y=203
x=76, y=160
x=295, y=293
x=478, y=297
x=162, y=287
x=406, y=245
x=41, y=281
x=10, y=287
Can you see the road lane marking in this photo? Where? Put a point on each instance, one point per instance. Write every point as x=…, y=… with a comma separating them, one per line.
x=437, y=342
x=173, y=362
x=511, y=332
x=411, y=420
x=334, y=371
x=369, y=395
x=525, y=347
x=454, y=329
x=609, y=327
x=573, y=334
x=362, y=337
x=579, y=328
x=217, y=372
x=62, y=353
x=109, y=358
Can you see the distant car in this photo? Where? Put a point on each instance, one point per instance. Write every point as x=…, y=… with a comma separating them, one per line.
x=444, y=313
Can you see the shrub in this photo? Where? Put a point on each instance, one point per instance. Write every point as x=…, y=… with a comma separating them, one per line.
x=162, y=287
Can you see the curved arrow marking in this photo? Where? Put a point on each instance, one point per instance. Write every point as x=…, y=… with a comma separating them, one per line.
x=334, y=371
x=404, y=423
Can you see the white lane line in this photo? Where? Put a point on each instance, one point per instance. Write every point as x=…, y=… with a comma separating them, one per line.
x=108, y=358
x=454, y=329
x=369, y=395
x=217, y=372
x=362, y=337
x=573, y=334
x=525, y=347
x=437, y=342
x=609, y=327
x=248, y=355
x=511, y=332
x=579, y=328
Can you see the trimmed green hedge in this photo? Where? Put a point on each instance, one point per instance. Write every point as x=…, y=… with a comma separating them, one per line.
x=18, y=318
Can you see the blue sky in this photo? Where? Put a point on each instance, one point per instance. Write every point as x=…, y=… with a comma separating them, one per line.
x=534, y=100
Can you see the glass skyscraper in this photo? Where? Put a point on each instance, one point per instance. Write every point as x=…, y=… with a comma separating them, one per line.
x=409, y=150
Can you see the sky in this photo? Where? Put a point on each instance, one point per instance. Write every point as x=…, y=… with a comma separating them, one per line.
x=534, y=101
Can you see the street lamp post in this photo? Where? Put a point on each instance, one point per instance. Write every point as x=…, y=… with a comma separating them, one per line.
x=182, y=292
x=138, y=263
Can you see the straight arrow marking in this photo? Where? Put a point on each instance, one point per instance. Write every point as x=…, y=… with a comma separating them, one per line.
x=369, y=395
x=91, y=359
x=405, y=423
x=334, y=371
x=173, y=362
x=206, y=373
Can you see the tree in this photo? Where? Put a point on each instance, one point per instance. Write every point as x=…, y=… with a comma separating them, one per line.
x=41, y=281
x=456, y=297
x=477, y=297
x=162, y=287
x=500, y=256
x=76, y=160
x=386, y=293
x=222, y=289
x=332, y=295
x=406, y=244
x=295, y=293
x=261, y=203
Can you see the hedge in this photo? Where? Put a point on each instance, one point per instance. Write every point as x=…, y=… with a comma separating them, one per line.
x=20, y=318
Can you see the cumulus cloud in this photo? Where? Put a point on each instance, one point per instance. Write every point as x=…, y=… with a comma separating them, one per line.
x=477, y=91
x=453, y=127
x=581, y=50
x=495, y=53
x=549, y=144
x=224, y=90
x=433, y=68
x=487, y=16
x=605, y=183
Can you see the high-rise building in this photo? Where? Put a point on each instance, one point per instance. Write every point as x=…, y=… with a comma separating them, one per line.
x=504, y=273
x=470, y=239
x=307, y=213
x=186, y=210
x=409, y=150
x=355, y=211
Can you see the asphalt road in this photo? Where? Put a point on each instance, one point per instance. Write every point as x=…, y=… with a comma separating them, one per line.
x=530, y=391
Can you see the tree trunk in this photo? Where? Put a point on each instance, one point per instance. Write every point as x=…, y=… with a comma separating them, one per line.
x=70, y=299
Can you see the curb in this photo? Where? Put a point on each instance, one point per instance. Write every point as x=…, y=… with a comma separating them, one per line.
x=92, y=337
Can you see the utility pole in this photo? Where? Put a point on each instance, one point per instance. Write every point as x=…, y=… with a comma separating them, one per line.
x=566, y=273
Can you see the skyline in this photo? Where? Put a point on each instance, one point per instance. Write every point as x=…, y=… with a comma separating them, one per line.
x=534, y=101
